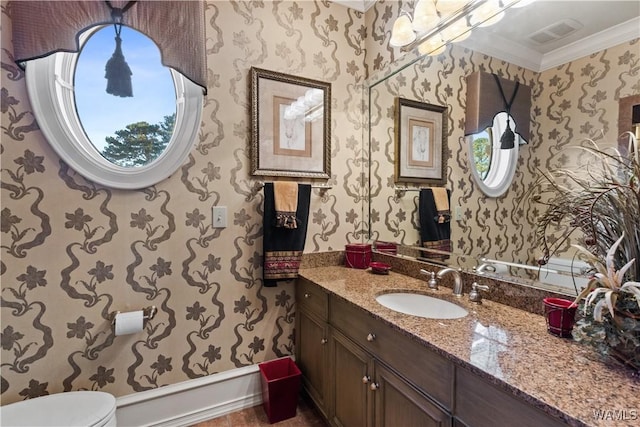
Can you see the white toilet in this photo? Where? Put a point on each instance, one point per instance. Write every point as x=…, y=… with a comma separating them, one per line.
x=74, y=408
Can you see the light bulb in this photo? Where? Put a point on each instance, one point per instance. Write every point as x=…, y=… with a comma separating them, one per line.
x=462, y=36
x=457, y=31
x=313, y=97
x=522, y=3
x=447, y=7
x=425, y=16
x=432, y=46
x=402, y=33
x=487, y=14
x=493, y=20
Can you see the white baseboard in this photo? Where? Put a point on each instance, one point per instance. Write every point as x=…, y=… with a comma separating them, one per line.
x=192, y=401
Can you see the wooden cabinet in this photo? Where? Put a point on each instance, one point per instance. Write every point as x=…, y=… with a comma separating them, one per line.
x=368, y=393
x=397, y=403
x=312, y=338
x=481, y=404
x=312, y=356
x=361, y=372
x=350, y=395
x=348, y=374
x=429, y=372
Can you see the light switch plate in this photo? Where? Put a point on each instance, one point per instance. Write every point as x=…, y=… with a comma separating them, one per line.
x=219, y=216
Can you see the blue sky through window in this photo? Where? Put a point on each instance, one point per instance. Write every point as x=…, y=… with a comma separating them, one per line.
x=102, y=114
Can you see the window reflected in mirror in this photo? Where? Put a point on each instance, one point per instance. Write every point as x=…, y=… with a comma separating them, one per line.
x=493, y=167
x=482, y=152
x=127, y=131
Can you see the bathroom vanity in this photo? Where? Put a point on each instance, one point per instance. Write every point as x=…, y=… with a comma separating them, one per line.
x=367, y=365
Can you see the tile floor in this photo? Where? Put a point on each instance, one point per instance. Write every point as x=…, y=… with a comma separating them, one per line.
x=306, y=416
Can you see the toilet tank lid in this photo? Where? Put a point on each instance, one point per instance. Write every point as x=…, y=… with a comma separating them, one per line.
x=74, y=408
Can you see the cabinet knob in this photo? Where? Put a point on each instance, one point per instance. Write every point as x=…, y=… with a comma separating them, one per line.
x=366, y=379
x=371, y=337
x=323, y=341
x=307, y=295
x=374, y=386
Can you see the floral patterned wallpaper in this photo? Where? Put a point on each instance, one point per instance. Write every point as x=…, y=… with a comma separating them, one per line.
x=74, y=252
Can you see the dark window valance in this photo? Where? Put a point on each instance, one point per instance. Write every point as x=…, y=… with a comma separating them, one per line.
x=484, y=101
x=41, y=28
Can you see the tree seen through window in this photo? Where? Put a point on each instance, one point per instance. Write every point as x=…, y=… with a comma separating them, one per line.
x=139, y=143
x=482, y=152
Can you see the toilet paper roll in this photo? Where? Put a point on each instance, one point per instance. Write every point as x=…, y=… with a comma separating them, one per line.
x=129, y=323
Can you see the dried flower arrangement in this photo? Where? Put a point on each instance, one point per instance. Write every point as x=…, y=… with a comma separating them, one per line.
x=601, y=202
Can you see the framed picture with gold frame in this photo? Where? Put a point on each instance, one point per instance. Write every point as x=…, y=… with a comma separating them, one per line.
x=420, y=142
x=290, y=125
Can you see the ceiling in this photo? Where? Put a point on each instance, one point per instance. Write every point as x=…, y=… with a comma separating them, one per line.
x=528, y=36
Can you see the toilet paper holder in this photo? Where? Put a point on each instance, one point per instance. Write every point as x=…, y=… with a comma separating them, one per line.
x=148, y=313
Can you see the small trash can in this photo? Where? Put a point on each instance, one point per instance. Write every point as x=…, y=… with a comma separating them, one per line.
x=280, y=388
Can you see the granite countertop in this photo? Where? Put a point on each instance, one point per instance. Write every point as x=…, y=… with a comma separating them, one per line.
x=507, y=346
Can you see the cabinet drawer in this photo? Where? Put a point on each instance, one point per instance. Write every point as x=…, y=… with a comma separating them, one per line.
x=480, y=404
x=312, y=298
x=425, y=369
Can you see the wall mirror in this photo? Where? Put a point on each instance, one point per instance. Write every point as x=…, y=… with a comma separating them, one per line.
x=125, y=143
x=496, y=228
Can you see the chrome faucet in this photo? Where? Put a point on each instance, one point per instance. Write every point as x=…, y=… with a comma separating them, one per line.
x=457, y=280
x=433, y=283
x=475, y=295
x=485, y=266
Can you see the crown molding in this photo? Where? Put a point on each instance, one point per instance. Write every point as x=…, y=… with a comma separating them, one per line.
x=504, y=49
x=360, y=5
x=514, y=53
x=610, y=37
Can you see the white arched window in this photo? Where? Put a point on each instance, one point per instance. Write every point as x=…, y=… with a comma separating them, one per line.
x=48, y=38
x=51, y=88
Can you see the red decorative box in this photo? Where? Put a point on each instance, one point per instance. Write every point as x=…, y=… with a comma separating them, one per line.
x=387, y=248
x=358, y=255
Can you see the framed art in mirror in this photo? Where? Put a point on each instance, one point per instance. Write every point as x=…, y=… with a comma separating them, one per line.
x=420, y=142
x=290, y=125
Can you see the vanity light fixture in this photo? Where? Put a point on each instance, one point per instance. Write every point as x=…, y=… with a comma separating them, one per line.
x=437, y=22
x=402, y=33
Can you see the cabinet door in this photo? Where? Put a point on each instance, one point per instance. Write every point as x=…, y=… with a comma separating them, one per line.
x=429, y=372
x=482, y=404
x=350, y=401
x=458, y=423
x=399, y=404
x=312, y=357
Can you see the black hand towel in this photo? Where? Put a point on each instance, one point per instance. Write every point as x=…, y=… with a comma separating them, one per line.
x=435, y=233
x=282, y=247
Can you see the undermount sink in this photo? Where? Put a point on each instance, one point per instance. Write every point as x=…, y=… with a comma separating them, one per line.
x=421, y=305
